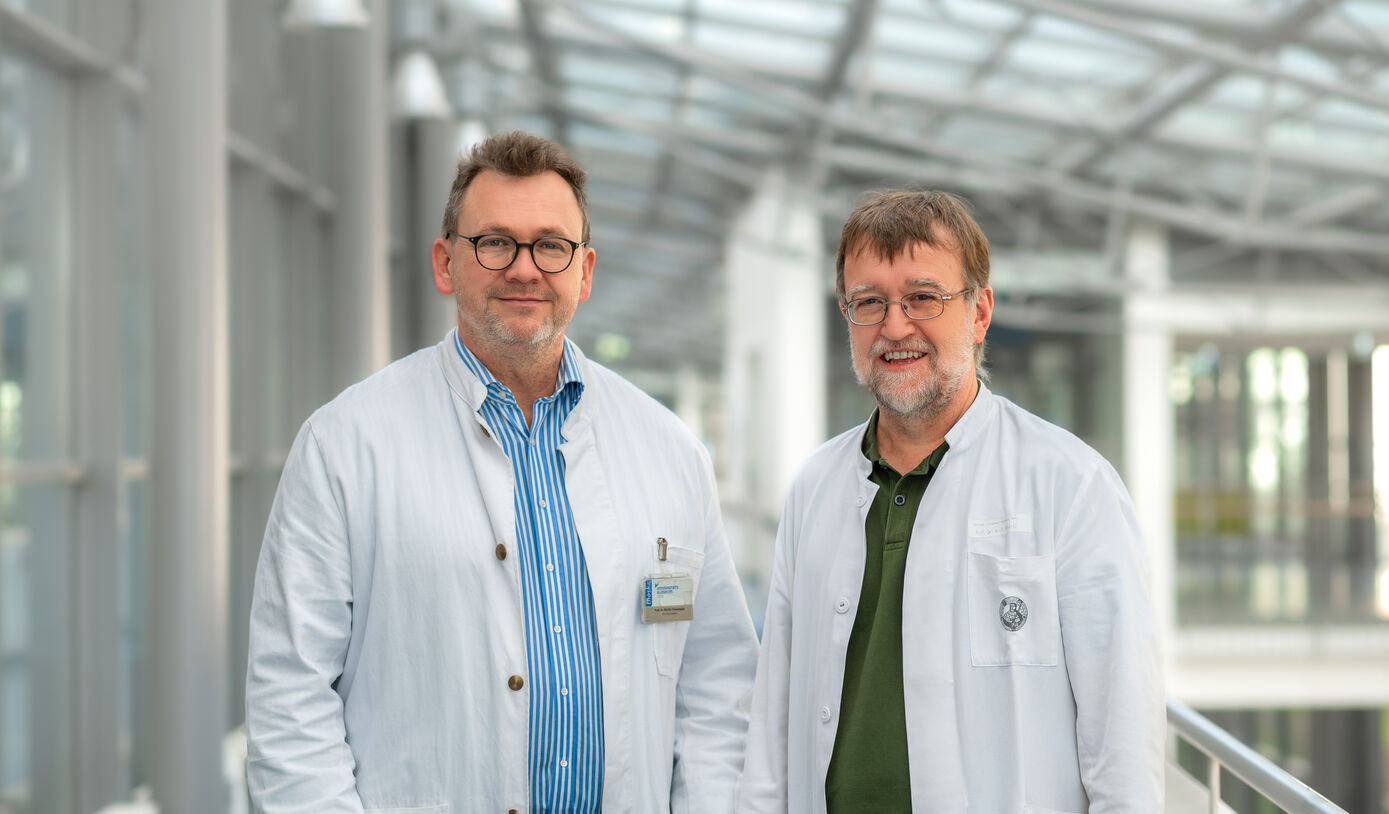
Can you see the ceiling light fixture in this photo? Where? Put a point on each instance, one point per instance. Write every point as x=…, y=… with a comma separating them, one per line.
x=304, y=14
x=417, y=90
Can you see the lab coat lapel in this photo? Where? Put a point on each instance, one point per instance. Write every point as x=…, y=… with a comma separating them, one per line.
x=614, y=596
x=935, y=576
x=486, y=461
x=928, y=657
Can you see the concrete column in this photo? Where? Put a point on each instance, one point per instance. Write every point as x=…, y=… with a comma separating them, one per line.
x=254, y=246
x=99, y=412
x=1149, y=417
x=1361, y=544
x=357, y=169
x=45, y=379
x=774, y=360
x=187, y=686
x=691, y=399
x=434, y=157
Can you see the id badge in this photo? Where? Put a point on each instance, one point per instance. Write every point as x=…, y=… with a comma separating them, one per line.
x=667, y=598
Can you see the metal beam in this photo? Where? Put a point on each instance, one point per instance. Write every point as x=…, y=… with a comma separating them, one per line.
x=857, y=26
x=1207, y=50
x=999, y=174
x=1102, y=199
x=1337, y=204
x=543, y=58
x=1072, y=122
x=1190, y=83
x=1000, y=50
x=1238, y=22
x=26, y=33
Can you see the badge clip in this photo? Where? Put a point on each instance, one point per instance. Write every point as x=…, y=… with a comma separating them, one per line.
x=666, y=597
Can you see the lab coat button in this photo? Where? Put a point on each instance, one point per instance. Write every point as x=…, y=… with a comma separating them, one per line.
x=858, y=501
x=515, y=682
x=501, y=551
x=842, y=606
x=485, y=432
x=513, y=811
x=825, y=714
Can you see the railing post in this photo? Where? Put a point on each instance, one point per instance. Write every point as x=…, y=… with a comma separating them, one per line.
x=1213, y=782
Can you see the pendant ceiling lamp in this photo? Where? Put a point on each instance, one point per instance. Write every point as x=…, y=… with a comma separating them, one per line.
x=417, y=89
x=301, y=14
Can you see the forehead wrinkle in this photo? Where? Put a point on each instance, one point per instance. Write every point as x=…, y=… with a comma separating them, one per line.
x=499, y=229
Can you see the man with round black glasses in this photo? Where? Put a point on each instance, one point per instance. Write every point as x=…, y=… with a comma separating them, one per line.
x=495, y=576
x=958, y=616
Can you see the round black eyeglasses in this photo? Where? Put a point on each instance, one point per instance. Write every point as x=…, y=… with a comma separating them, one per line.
x=551, y=254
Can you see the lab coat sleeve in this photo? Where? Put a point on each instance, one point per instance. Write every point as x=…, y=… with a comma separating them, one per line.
x=764, y=788
x=298, y=757
x=1110, y=639
x=715, y=684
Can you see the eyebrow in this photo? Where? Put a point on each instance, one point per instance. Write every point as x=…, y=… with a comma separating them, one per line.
x=544, y=231
x=914, y=284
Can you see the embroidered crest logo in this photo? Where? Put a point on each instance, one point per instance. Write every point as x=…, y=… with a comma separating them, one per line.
x=1012, y=612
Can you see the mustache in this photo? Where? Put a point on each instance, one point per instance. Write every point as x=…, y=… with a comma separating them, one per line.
x=882, y=346
x=534, y=291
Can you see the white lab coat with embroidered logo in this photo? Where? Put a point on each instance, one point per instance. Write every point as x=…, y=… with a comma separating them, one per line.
x=1030, y=657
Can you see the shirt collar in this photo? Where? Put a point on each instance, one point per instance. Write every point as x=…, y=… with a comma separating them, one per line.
x=869, y=447
x=570, y=378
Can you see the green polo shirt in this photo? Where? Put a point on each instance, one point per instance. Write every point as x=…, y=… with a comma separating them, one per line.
x=868, y=770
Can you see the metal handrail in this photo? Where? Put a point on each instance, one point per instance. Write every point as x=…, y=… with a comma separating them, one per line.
x=1264, y=776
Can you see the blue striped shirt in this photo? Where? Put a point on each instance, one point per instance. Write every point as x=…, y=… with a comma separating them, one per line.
x=565, y=759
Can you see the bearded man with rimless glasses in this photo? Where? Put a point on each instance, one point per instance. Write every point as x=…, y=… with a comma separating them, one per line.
x=958, y=616
x=448, y=614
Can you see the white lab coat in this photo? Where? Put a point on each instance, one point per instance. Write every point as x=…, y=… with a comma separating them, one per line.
x=1065, y=714
x=384, y=626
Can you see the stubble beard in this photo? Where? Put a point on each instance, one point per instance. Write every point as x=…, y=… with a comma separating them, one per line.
x=493, y=329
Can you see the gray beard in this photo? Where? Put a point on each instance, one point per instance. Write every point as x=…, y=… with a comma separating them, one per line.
x=926, y=401
x=497, y=329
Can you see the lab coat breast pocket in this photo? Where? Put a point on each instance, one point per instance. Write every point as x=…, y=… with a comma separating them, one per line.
x=669, y=637
x=1013, y=617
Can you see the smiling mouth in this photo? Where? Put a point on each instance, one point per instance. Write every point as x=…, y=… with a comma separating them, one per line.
x=901, y=356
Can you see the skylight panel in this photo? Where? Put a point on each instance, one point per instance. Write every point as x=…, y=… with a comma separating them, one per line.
x=760, y=47
x=807, y=19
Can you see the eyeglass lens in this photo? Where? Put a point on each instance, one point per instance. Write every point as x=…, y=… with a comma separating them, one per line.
x=497, y=252
x=920, y=305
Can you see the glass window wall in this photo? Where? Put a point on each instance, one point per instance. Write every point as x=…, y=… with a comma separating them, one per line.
x=1275, y=516
x=35, y=548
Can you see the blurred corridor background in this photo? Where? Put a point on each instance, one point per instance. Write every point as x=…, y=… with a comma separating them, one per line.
x=214, y=215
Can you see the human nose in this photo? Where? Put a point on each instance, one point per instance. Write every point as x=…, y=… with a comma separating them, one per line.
x=896, y=324
x=523, y=264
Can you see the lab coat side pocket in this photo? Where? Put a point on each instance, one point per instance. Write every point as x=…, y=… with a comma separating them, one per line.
x=1013, y=617
x=669, y=637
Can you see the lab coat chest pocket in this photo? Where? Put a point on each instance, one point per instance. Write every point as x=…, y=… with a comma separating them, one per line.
x=1013, y=618
x=669, y=637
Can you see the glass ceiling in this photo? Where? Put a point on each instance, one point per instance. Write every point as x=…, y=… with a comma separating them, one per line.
x=1253, y=129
